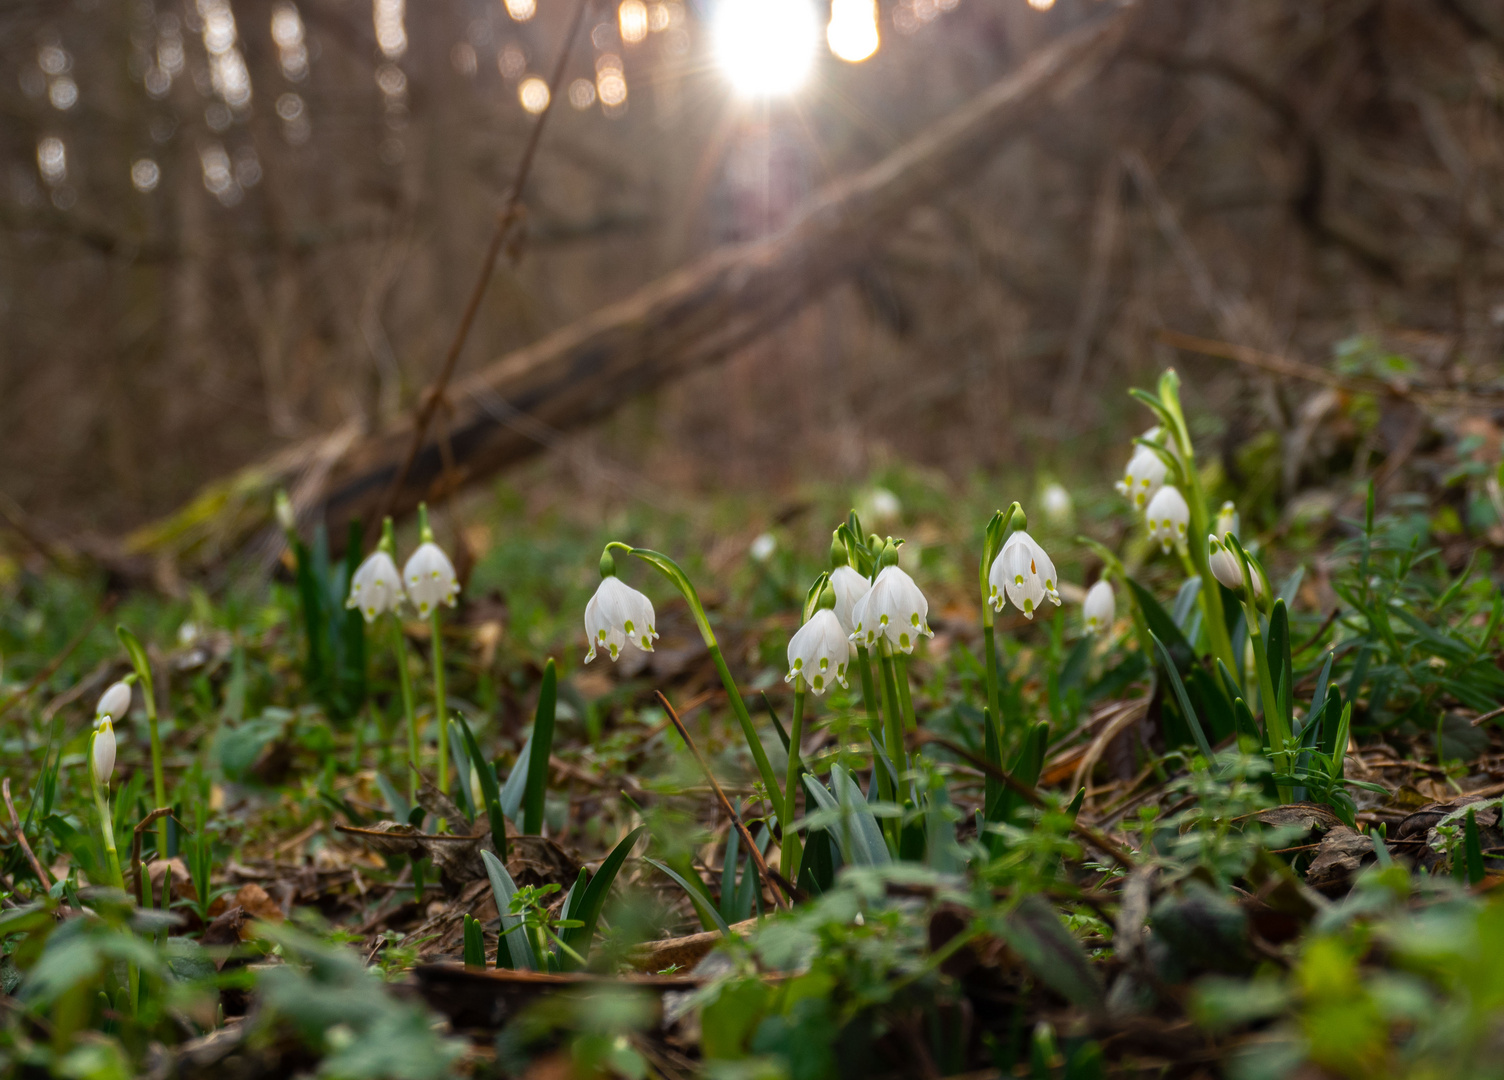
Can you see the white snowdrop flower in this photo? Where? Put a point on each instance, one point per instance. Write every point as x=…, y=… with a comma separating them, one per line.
x=430, y=578
x=1058, y=506
x=1168, y=516
x=1227, y=520
x=114, y=702
x=762, y=548
x=617, y=614
x=819, y=651
x=882, y=507
x=893, y=608
x=103, y=758
x=1143, y=477
x=1227, y=568
x=849, y=587
x=1100, y=607
x=1024, y=574
x=377, y=586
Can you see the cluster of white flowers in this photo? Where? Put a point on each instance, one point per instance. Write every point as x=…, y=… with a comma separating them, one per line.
x=428, y=580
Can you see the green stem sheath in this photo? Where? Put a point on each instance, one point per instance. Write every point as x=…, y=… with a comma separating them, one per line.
x=107, y=832
x=894, y=726
x=791, y=786
x=905, y=697
x=404, y=680
x=874, y=718
x=440, y=700
x=158, y=780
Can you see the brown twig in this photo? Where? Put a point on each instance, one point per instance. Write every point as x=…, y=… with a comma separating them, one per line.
x=1314, y=638
x=785, y=888
x=141, y=827
x=1492, y=714
x=1476, y=397
x=36, y=866
x=510, y=215
x=1121, y=855
x=57, y=661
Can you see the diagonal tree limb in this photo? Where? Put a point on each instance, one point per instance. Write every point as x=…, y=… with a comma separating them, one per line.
x=684, y=321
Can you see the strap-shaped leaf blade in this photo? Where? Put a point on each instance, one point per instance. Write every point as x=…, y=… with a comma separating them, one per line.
x=513, y=949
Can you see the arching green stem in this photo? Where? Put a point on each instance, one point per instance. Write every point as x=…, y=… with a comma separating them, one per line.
x=669, y=569
x=789, y=864
x=404, y=680
x=440, y=699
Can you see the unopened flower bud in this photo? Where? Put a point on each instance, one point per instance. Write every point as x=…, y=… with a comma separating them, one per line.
x=102, y=753
x=114, y=702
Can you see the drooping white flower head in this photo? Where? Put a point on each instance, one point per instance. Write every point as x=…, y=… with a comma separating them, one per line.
x=1058, y=506
x=102, y=759
x=1168, y=517
x=377, y=586
x=850, y=587
x=819, y=651
x=1143, y=477
x=618, y=614
x=893, y=608
x=114, y=702
x=1024, y=574
x=430, y=578
x=1227, y=520
x=1100, y=607
x=1227, y=568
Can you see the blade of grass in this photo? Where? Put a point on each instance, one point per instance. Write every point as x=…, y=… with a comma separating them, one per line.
x=541, y=745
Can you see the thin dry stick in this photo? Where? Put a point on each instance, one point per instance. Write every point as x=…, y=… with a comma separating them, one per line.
x=141, y=827
x=21, y=837
x=511, y=213
x=1486, y=717
x=1098, y=839
x=57, y=661
x=786, y=889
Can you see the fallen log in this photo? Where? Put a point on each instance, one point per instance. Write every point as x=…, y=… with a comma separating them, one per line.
x=684, y=321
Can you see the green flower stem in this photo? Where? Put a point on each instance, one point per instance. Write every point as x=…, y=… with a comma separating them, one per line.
x=404, y=680
x=670, y=569
x=874, y=718
x=1274, y=720
x=158, y=780
x=1211, y=594
x=790, y=864
x=440, y=707
x=989, y=660
x=905, y=696
x=107, y=822
x=894, y=725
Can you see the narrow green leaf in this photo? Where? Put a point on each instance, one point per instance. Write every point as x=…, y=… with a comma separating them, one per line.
x=488, y=790
x=1191, y=719
x=703, y=905
x=540, y=745
x=580, y=937
x=475, y=945
x=867, y=835
x=513, y=950
x=1034, y=931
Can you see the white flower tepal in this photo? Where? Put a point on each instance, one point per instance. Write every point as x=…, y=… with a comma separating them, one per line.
x=618, y=614
x=1227, y=568
x=1100, y=607
x=430, y=578
x=819, y=652
x=849, y=587
x=114, y=702
x=1023, y=574
x=893, y=608
x=1227, y=520
x=1143, y=478
x=102, y=760
x=1169, y=516
x=377, y=586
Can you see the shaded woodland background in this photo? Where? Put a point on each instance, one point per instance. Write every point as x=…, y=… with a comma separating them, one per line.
x=229, y=224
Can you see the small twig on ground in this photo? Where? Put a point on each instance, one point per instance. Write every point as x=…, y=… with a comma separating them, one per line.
x=1492, y=714
x=785, y=889
x=15, y=819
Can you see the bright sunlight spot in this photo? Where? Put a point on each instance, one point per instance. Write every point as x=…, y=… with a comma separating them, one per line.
x=765, y=47
x=852, y=32
x=534, y=94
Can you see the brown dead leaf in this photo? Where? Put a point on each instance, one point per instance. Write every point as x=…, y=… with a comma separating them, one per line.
x=1339, y=856
x=257, y=903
